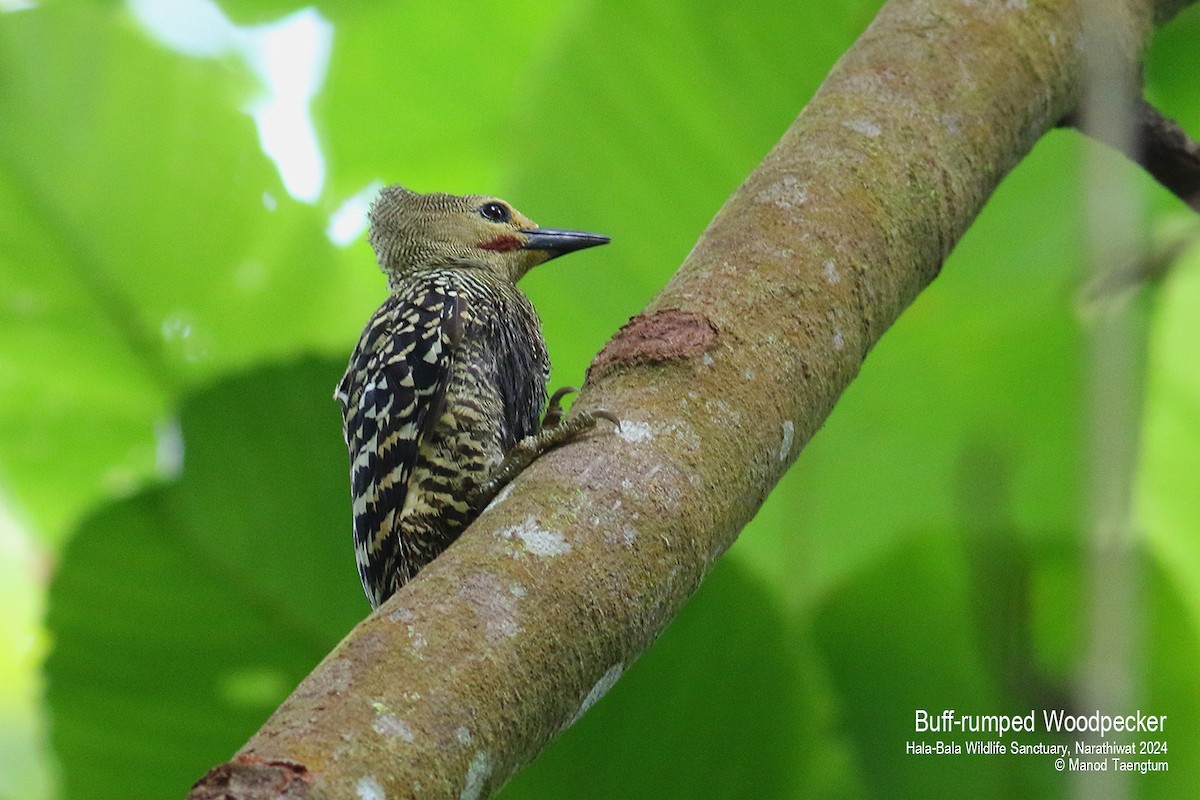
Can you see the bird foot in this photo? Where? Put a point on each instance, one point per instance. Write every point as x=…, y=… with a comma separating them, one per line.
x=555, y=414
x=557, y=430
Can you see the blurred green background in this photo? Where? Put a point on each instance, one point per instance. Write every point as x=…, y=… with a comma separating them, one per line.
x=182, y=276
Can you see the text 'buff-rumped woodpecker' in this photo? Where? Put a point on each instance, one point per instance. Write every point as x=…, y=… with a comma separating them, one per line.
x=442, y=399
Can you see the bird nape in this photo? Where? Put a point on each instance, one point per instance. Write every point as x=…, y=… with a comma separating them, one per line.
x=442, y=399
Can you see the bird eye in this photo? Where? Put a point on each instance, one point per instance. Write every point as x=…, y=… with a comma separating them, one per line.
x=496, y=212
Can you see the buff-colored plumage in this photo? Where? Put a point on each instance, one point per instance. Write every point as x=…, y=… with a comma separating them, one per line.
x=448, y=377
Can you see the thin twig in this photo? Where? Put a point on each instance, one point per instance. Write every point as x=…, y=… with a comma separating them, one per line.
x=1162, y=148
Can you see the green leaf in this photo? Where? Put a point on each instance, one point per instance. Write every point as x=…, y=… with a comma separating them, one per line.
x=182, y=616
x=419, y=96
x=1166, y=497
x=148, y=245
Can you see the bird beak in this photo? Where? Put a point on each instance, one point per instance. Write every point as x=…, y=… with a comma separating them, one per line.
x=557, y=243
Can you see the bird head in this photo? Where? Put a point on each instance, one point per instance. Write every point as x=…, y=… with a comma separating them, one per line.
x=411, y=232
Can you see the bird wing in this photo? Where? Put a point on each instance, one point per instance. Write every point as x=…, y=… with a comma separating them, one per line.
x=391, y=395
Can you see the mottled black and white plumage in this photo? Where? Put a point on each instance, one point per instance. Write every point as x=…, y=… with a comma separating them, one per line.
x=442, y=398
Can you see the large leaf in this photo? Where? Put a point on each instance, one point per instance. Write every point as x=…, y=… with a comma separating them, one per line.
x=147, y=244
x=184, y=615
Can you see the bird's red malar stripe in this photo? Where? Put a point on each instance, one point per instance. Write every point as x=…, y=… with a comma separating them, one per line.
x=502, y=244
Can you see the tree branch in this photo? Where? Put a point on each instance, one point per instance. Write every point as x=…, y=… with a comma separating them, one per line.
x=1162, y=148
x=507, y=638
x=1169, y=154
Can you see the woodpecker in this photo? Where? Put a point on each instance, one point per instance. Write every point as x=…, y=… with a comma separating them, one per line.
x=442, y=398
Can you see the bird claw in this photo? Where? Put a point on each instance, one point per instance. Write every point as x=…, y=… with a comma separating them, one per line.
x=554, y=410
x=555, y=415
x=604, y=413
